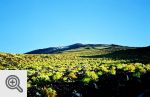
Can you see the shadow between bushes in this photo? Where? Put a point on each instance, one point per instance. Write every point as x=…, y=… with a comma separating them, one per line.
x=109, y=86
x=123, y=84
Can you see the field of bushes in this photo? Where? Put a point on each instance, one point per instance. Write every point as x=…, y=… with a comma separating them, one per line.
x=82, y=73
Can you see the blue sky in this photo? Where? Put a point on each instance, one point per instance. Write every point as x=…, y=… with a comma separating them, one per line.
x=32, y=24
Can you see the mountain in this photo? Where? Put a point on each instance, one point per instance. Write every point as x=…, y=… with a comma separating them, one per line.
x=76, y=46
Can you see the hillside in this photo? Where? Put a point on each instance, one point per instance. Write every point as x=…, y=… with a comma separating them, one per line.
x=141, y=54
x=111, y=51
x=74, y=47
x=84, y=70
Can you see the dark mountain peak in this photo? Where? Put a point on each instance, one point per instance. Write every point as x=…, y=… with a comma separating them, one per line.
x=79, y=44
x=114, y=45
x=76, y=45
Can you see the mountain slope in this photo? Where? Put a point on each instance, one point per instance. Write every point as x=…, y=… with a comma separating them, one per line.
x=74, y=47
x=141, y=54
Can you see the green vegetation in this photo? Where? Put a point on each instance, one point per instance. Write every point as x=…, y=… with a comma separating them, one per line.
x=50, y=75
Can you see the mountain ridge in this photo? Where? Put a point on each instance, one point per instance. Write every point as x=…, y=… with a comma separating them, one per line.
x=51, y=50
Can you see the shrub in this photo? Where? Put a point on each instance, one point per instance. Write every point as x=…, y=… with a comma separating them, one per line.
x=49, y=92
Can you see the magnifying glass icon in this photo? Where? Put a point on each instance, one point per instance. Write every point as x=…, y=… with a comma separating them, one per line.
x=13, y=82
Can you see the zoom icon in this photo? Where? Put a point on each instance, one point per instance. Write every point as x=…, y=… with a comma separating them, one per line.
x=13, y=82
